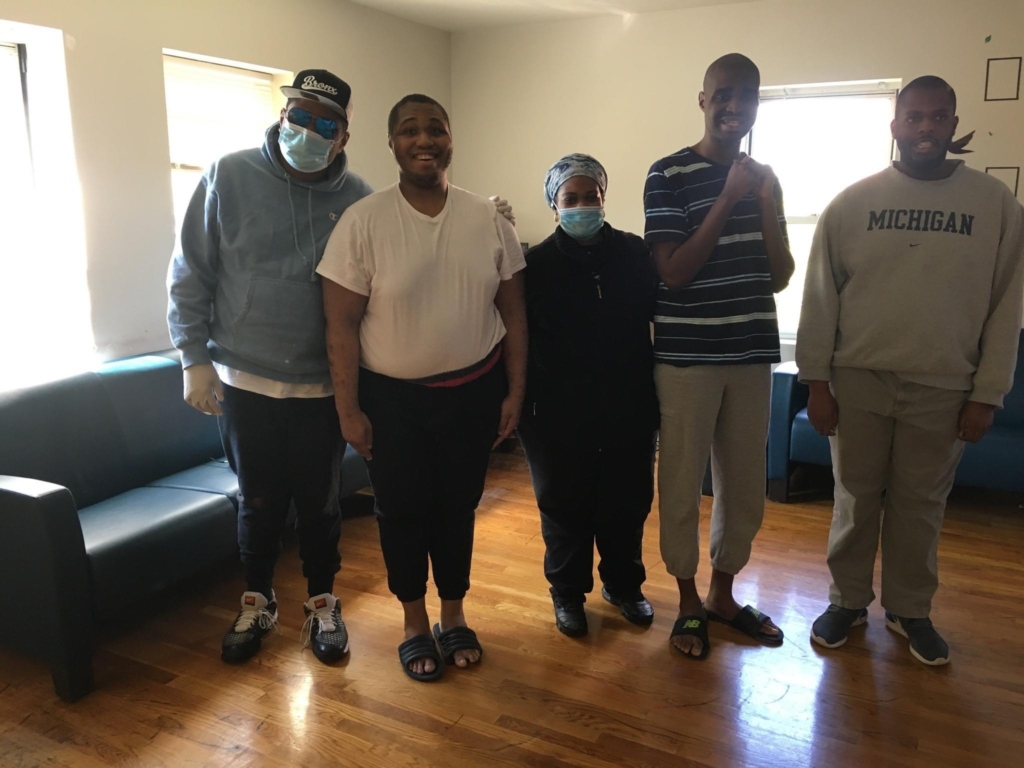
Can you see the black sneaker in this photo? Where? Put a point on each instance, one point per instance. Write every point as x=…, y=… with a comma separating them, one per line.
x=324, y=629
x=570, y=618
x=832, y=628
x=926, y=645
x=635, y=608
x=257, y=617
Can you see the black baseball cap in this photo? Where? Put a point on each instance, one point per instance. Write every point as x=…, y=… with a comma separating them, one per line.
x=320, y=85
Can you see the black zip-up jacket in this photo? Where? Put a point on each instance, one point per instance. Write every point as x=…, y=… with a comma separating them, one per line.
x=589, y=309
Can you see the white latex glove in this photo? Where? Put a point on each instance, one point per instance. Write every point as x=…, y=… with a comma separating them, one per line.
x=503, y=208
x=203, y=389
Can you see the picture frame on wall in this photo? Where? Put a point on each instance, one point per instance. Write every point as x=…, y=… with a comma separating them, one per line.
x=1002, y=78
x=1008, y=174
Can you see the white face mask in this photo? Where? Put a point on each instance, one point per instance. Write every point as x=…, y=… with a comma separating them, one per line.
x=305, y=150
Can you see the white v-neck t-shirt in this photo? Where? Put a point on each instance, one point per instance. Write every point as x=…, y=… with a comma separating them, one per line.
x=431, y=281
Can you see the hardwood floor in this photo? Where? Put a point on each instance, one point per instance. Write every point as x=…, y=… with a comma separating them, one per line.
x=618, y=697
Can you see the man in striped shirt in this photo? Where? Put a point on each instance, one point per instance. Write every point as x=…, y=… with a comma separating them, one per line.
x=715, y=224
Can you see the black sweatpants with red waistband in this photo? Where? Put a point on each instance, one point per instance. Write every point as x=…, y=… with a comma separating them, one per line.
x=431, y=446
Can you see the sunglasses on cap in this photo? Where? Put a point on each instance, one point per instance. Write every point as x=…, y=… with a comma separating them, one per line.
x=322, y=125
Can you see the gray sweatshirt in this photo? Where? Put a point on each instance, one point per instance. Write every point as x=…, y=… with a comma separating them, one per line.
x=921, y=278
x=243, y=288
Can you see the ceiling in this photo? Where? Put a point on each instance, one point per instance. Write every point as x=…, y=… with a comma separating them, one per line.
x=457, y=15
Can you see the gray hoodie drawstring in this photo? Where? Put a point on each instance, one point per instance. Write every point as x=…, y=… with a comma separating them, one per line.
x=312, y=235
x=291, y=206
x=295, y=226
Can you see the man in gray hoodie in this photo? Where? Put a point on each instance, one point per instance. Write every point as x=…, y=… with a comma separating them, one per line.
x=908, y=340
x=246, y=311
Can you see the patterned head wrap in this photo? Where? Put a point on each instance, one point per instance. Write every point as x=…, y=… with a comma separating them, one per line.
x=575, y=164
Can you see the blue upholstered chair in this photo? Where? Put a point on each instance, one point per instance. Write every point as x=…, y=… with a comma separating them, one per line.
x=996, y=462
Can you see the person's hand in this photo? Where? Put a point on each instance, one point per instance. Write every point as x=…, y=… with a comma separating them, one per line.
x=822, y=409
x=744, y=177
x=358, y=432
x=503, y=208
x=975, y=421
x=766, y=187
x=511, y=408
x=203, y=389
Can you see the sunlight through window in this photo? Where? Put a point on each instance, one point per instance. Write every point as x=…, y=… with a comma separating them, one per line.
x=819, y=140
x=45, y=323
x=212, y=109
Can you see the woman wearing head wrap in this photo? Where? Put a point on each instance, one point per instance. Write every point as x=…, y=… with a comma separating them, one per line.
x=591, y=411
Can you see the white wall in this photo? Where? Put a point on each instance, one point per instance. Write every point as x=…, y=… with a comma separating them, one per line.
x=625, y=90
x=520, y=97
x=115, y=83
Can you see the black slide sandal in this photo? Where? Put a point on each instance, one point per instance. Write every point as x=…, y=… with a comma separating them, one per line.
x=750, y=622
x=697, y=626
x=420, y=647
x=456, y=639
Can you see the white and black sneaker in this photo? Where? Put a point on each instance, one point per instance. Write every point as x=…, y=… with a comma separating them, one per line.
x=832, y=628
x=926, y=644
x=324, y=630
x=256, y=618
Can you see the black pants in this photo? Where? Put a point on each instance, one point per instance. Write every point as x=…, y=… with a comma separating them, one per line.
x=284, y=451
x=431, y=446
x=591, y=492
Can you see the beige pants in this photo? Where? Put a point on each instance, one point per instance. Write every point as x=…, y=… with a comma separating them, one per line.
x=899, y=439
x=721, y=410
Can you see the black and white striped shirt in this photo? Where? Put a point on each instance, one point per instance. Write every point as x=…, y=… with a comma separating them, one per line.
x=726, y=314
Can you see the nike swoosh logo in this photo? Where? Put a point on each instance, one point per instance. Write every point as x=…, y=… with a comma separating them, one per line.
x=914, y=245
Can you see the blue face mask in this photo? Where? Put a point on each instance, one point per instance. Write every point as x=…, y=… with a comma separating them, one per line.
x=304, y=150
x=581, y=223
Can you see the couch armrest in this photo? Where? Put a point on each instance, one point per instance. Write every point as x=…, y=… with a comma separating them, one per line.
x=46, y=601
x=788, y=397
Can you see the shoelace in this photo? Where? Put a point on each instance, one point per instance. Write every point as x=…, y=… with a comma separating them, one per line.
x=327, y=621
x=250, y=615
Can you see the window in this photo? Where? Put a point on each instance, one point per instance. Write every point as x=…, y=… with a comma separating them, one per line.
x=212, y=109
x=819, y=140
x=45, y=328
x=15, y=200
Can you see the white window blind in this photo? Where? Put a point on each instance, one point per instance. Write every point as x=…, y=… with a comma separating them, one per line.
x=819, y=140
x=212, y=109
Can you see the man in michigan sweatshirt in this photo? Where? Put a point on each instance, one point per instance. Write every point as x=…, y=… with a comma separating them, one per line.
x=908, y=339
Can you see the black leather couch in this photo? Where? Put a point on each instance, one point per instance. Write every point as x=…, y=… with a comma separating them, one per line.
x=111, y=488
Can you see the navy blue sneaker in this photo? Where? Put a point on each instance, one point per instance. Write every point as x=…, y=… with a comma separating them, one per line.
x=832, y=628
x=926, y=645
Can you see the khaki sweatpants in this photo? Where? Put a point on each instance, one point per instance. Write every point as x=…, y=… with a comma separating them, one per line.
x=899, y=439
x=721, y=410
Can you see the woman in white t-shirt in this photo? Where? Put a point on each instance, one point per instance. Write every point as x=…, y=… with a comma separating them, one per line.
x=426, y=333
